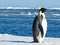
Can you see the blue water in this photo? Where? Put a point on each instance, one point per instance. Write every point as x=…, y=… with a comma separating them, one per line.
x=12, y=22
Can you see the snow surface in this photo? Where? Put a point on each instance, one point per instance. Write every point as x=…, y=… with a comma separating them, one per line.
x=6, y=39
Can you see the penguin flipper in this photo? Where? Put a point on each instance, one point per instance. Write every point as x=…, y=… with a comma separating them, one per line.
x=41, y=29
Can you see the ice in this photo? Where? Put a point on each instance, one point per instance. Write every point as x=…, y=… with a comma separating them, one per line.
x=14, y=8
x=18, y=8
x=6, y=39
x=54, y=8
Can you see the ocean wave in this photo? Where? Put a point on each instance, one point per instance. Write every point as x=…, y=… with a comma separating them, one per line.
x=54, y=19
x=22, y=13
x=56, y=14
x=29, y=13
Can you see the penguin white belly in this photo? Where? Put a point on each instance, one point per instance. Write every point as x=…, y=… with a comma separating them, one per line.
x=44, y=25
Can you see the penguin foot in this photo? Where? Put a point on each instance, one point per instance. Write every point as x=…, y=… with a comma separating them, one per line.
x=35, y=41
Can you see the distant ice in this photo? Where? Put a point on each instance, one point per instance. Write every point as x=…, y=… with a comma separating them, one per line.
x=25, y=8
x=6, y=39
x=18, y=8
x=14, y=8
x=54, y=8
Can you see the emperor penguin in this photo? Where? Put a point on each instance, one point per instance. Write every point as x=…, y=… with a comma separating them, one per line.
x=39, y=26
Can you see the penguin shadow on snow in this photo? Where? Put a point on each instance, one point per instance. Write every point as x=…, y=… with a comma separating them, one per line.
x=17, y=41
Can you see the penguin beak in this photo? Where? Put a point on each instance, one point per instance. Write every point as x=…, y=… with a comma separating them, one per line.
x=46, y=9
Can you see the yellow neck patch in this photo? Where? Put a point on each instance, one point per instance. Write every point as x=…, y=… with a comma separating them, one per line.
x=40, y=13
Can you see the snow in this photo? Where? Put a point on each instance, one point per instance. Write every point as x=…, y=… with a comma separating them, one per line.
x=6, y=39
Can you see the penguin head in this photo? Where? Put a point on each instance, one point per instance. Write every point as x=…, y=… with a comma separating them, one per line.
x=41, y=13
x=42, y=10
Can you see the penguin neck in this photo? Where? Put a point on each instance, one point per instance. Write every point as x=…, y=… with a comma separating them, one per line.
x=41, y=14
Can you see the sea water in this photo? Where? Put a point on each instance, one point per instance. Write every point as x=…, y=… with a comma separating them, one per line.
x=19, y=22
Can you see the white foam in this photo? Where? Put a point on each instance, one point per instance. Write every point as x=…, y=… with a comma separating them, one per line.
x=35, y=13
x=22, y=13
x=29, y=13
x=56, y=14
